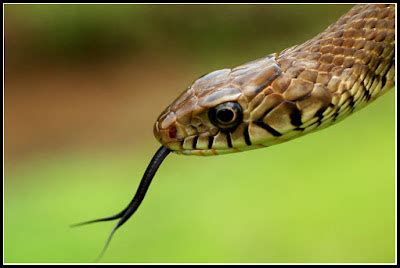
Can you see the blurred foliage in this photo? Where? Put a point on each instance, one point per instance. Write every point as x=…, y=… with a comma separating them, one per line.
x=326, y=197
x=76, y=32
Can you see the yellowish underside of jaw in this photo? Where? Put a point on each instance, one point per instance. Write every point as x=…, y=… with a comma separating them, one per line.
x=266, y=142
x=211, y=152
x=261, y=143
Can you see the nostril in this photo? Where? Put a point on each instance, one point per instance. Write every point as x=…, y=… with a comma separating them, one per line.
x=165, y=129
x=172, y=132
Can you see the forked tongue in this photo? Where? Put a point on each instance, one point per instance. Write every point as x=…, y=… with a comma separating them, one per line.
x=125, y=214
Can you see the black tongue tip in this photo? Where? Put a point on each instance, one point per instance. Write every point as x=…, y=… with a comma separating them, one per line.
x=148, y=175
x=125, y=214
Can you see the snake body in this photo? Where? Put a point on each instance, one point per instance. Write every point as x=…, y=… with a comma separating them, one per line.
x=286, y=95
x=278, y=97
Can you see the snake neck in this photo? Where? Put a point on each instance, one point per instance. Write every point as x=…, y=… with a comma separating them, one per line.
x=340, y=70
x=356, y=51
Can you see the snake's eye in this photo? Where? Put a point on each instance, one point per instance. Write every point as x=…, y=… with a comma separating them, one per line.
x=226, y=115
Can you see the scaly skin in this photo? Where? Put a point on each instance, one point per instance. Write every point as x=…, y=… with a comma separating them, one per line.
x=288, y=94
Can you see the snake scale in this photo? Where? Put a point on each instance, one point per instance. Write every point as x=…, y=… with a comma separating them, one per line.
x=279, y=97
x=288, y=94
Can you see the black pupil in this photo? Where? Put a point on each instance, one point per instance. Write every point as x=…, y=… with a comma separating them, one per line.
x=225, y=115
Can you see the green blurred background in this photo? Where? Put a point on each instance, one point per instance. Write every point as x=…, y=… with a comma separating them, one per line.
x=83, y=87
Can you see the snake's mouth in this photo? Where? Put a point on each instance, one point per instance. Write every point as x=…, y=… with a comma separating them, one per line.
x=167, y=135
x=203, y=144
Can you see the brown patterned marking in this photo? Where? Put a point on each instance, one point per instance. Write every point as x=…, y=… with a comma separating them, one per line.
x=333, y=84
x=382, y=24
x=323, y=78
x=297, y=89
x=327, y=58
x=337, y=42
x=252, y=82
x=379, y=48
x=337, y=71
x=349, y=33
x=389, y=37
x=359, y=44
x=360, y=53
x=349, y=51
x=338, y=50
x=325, y=42
x=267, y=104
x=327, y=49
x=348, y=63
x=338, y=60
x=315, y=49
x=326, y=67
x=280, y=84
x=338, y=34
x=294, y=71
x=371, y=23
x=309, y=75
x=314, y=57
x=359, y=24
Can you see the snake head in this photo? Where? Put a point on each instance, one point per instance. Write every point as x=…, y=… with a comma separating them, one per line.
x=213, y=115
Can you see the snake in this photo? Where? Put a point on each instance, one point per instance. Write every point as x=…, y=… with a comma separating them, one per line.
x=279, y=97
